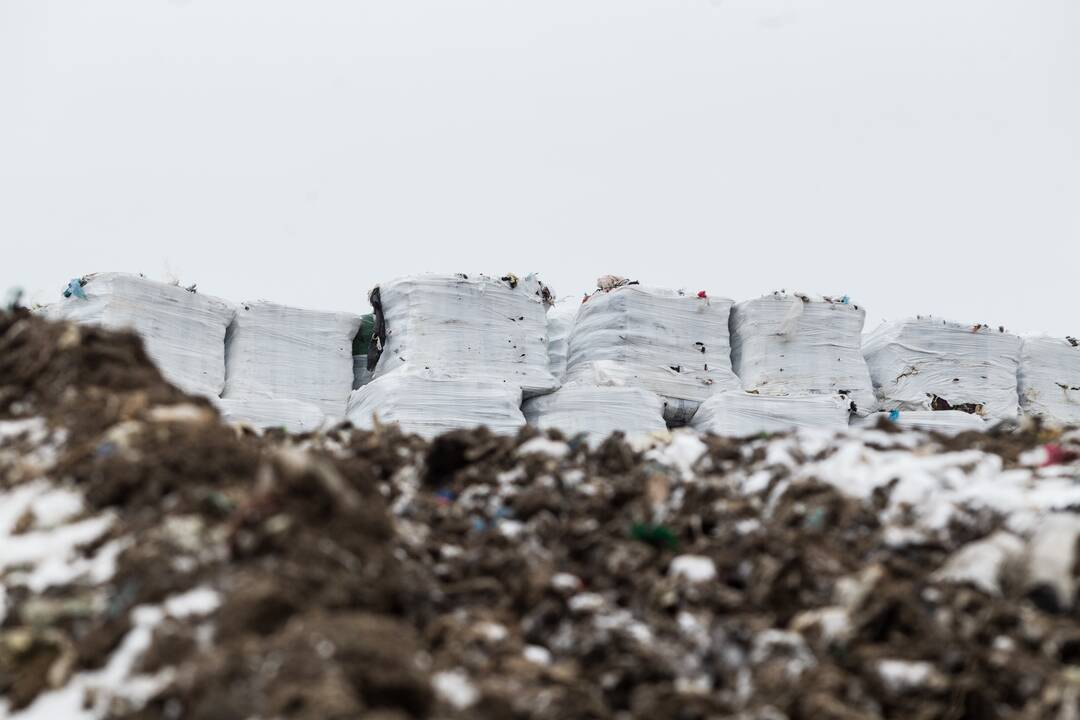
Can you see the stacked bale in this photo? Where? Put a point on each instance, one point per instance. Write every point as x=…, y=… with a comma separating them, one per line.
x=597, y=411
x=301, y=359
x=473, y=345
x=738, y=414
x=666, y=342
x=183, y=331
x=794, y=345
x=1049, y=379
x=560, y=322
x=930, y=364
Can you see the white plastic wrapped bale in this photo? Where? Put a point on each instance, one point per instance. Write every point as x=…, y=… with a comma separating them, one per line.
x=931, y=364
x=947, y=422
x=793, y=344
x=1049, y=379
x=278, y=352
x=183, y=332
x=429, y=404
x=467, y=327
x=597, y=411
x=560, y=321
x=738, y=414
x=295, y=416
x=672, y=344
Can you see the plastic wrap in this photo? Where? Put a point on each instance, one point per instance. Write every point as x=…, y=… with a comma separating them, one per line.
x=183, y=332
x=294, y=415
x=560, y=321
x=597, y=410
x=1049, y=379
x=930, y=364
x=948, y=422
x=659, y=340
x=467, y=327
x=429, y=404
x=738, y=414
x=792, y=344
x=279, y=352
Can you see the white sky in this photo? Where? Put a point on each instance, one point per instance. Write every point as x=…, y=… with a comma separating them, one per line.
x=921, y=156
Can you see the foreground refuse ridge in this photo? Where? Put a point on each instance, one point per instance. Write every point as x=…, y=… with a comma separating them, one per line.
x=157, y=563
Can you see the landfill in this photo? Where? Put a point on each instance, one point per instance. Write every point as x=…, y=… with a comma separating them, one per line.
x=794, y=344
x=925, y=363
x=157, y=562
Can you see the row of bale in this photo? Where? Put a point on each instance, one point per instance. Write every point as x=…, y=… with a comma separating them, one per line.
x=448, y=351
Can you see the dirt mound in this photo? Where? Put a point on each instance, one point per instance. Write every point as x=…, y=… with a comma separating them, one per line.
x=157, y=563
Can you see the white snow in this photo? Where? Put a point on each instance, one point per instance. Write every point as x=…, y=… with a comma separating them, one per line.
x=454, y=687
x=903, y=675
x=980, y=563
x=693, y=568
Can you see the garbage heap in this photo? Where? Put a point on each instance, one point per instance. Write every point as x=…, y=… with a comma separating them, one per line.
x=455, y=351
x=158, y=563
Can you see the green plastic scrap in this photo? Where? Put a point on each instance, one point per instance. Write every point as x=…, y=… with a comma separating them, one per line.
x=656, y=535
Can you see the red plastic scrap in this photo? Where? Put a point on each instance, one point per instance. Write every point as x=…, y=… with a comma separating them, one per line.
x=1057, y=455
x=701, y=294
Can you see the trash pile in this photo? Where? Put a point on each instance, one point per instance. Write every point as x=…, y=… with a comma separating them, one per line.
x=158, y=563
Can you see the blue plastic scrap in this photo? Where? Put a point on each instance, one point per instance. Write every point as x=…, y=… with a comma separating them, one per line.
x=75, y=288
x=894, y=415
x=845, y=299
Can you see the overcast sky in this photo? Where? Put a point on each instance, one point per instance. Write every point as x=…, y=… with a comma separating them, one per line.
x=921, y=156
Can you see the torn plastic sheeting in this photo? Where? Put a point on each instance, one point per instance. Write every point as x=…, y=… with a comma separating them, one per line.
x=294, y=416
x=560, y=322
x=183, y=332
x=948, y=422
x=467, y=327
x=429, y=404
x=927, y=363
x=738, y=414
x=597, y=411
x=672, y=344
x=278, y=352
x=792, y=344
x=1049, y=379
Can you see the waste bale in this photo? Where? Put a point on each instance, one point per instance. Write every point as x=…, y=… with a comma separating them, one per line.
x=183, y=331
x=429, y=404
x=597, y=411
x=466, y=326
x=278, y=352
x=740, y=414
x=295, y=416
x=949, y=422
x=1049, y=379
x=560, y=322
x=926, y=363
x=663, y=341
x=795, y=344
